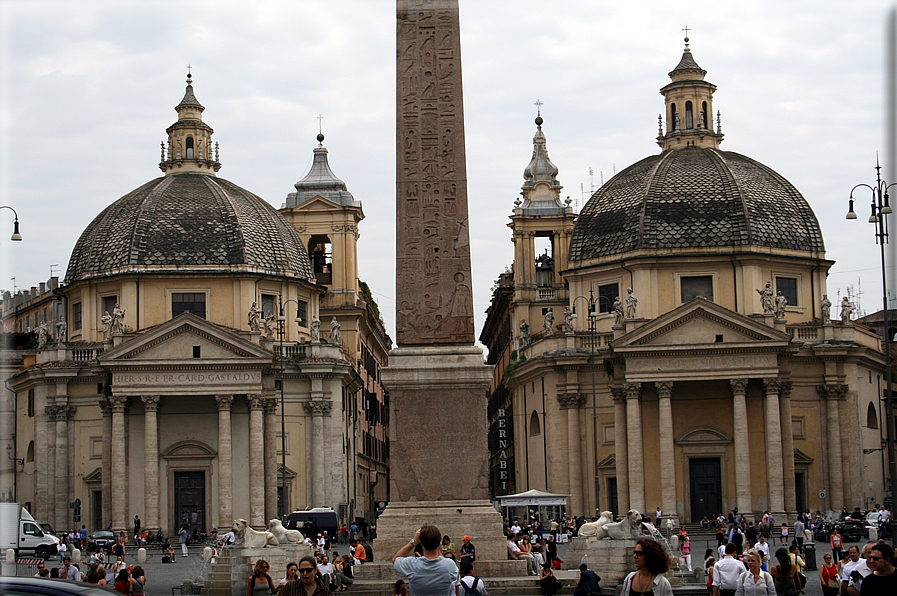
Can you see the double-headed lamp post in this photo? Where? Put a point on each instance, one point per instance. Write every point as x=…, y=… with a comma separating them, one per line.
x=881, y=209
x=16, y=237
x=281, y=331
x=593, y=322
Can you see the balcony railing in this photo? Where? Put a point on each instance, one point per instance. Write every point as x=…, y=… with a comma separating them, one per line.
x=546, y=294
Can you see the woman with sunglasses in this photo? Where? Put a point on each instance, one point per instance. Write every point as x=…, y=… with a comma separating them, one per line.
x=311, y=584
x=651, y=562
x=830, y=576
x=260, y=584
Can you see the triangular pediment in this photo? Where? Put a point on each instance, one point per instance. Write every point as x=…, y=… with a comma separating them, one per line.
x=175, y=340
x=701, y=323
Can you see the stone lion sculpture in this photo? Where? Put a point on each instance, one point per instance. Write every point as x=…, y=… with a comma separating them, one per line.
x=251, y=538
x=628, y=527
x=284, y=536
x=591, y=528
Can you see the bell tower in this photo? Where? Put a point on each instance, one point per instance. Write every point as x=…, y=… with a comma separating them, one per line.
x=689, y=108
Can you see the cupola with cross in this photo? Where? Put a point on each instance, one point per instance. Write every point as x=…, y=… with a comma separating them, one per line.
x=189, y=148
x=689, y=108
x=542, y=225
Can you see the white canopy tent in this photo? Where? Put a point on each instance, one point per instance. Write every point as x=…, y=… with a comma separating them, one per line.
x=534, y=500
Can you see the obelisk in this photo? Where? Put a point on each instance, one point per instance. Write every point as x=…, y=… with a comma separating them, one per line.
x=436, y=377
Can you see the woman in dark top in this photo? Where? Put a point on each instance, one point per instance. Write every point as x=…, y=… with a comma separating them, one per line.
x=547, y=581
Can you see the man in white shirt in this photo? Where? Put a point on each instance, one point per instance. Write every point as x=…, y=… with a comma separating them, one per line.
x=860, y=571
x=762, y=547
x=516, y=527
x=515, y=553
x=853, y=556
x=726, y=573
x=469, y=585
x=71, y=572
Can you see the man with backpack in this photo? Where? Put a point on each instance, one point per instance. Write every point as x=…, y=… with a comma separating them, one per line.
x=469, y=585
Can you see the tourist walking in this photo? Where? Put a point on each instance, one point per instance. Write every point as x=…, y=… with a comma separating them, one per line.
x=836, y=543
x=469, y=584
x=784, y=575
x=138, y=580
x=755, y=581
x=829, y=575
x=651, y=562
x=183, y=537
x=883, y=581
x=289, y=585
x=727, y=572
x=685, y=550
x=311, y=584
x=260, y=584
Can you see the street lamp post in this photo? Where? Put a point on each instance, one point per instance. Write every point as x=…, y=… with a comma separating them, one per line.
x=281, y=331
x=593, y=323
x=880, y=209
x=16, y=237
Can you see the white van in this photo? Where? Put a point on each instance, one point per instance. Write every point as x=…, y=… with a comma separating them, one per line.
x=20, y=532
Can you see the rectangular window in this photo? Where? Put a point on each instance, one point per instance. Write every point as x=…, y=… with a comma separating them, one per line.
x=31, y=403
x=109, y=303
x=302, y=313
x=76, y=316
x=192, y=302
x=606, y=296
x=788, y=287
x=269, y=305
x=698, y=286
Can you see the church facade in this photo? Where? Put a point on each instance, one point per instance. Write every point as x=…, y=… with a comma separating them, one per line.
x=674, y=347
x=208, y=368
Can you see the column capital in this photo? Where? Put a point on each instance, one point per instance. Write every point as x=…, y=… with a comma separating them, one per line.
x=632, y=390
x=571, y=400
x=832, y=391
x=318, y=407
x=59, y=413
x=772, y=385
x=256, y=401
x=785, y=389
x=225, y=401
x=105, y=408
x=618, y=393
x=738, y=386
x=118, y=403
x=150, y=402
x=270, y=405
x=664, y=388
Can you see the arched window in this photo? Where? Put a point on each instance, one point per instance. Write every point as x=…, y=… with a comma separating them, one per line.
x=871, y=416
x=704, y=116
x=534, y=426
x=189, y=147
x=674, y=117
x=689, y=115
x=29, y=454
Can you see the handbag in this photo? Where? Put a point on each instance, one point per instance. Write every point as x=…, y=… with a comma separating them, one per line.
x=833, y=583
x=801, y=580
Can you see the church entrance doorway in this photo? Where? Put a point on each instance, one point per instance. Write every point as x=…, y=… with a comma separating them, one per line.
x=706, y=487
x=613, y=503
x=190, y=500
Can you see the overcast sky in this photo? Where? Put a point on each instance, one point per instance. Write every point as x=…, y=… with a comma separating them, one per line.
x=87, y=89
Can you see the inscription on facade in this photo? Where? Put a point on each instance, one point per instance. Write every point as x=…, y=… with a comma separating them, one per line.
x=701, y=362
x=186, y=378
x=435, y=300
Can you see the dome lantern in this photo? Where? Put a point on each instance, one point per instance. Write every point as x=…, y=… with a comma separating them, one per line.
x=541, y=188
x=689, y=107
x=190, y=147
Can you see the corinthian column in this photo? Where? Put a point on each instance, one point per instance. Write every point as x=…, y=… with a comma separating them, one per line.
x=119, y=455
x=61, y=451
x=787, y=446
x=571, y=402
x=317, y=409
x=270, y=459
x=667, y=448
x=636, y=459
x=51, y=413
x=106, y=479
x=621, y=450
x=256, y=461
x=151, y=461
x=741, y=445
x=225, y=461
x=775, y=485
x=830, y=395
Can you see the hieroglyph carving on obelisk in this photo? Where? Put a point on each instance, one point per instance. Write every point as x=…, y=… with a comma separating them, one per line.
x=433, y=286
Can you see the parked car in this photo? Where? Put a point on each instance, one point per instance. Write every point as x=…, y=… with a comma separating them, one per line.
x=22, y=586
x=100, y=539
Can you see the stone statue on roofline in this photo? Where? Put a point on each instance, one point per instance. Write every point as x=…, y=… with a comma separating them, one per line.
x=781, y=303
x=548, y=323
x=568, y=320
x=254, y=317
x=334, y=331
x=766, y=298
x=315, y=330
x=631, y=304
x=619, y=315
x=846, y=310
x=524, y=333
x=826, y=309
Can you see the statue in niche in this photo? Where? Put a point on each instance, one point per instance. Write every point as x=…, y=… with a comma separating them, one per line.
x=524, y=332
x=334, y=331
x=254, y=317
x=781, y=303
x=548, y=323
x=106, y=320
x=315, y=330
x=826, y=309
x=631, y=303
x=118, y=317
x=619, y=315
x=568, y=320
x=846, y=310
x=766, y=297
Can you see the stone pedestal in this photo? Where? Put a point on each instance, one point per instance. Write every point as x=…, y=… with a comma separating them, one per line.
x=611, y=559
x=231, y=572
